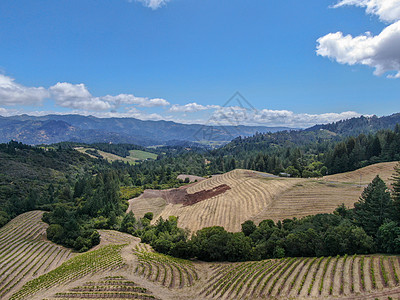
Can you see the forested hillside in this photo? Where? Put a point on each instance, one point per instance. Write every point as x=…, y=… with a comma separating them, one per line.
x=83, y=194
x=355, y=126
x=294, y=153
x=74, y=187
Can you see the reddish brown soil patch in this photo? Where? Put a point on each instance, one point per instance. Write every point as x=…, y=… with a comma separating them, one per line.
x=181, y=196
x=191, y=199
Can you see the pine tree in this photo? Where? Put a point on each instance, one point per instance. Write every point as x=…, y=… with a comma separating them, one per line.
x=374, y=207
x=396, y=192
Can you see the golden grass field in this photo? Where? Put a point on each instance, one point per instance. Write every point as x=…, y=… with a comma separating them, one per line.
x=123, y=268
x=259, y=196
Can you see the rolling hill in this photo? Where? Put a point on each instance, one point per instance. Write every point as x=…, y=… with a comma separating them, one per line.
x=123, y=268
x=88, y=129
x=363, y=124
x=230, y=199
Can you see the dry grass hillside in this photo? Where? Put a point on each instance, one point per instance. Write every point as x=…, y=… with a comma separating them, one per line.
x=258, y=196
x=367, y=174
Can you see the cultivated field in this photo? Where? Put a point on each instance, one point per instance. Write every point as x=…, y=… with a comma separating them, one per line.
x=123, y=268
x=25, y=253
x=258, y=196
x=351, y=277
x=134, y=155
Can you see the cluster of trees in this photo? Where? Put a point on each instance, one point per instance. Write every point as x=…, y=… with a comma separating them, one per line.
x=94, y=203
x=306, y=153
x=297, y=153
x=372, y=225
x=357, y=152
x=30, y=177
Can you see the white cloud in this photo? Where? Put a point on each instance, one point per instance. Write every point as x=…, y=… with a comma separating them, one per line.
x=381, y=51
x=289, y=118
x=3, y=111
x=153, y=4
x=191, y=107
x=387, y=10
x=139, y=101
x=12, y=93
x=77, y=96
x=238, y=116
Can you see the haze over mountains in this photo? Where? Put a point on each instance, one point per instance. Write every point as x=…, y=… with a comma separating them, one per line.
x=88, y=129
x=57, y=128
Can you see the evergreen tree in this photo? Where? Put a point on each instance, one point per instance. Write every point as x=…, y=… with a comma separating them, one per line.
x=396, y=193
x=375, y=205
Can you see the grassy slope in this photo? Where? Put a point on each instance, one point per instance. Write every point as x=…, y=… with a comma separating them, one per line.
x=258, y=197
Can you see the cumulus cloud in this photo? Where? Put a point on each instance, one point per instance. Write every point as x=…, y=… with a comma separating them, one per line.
x=386, y=10
x=153, y=4
x=139, y=101
x=289, y=118
x=236, y=115
x=77, y=96
x=191, y=107
x=3, y=111
x=381, y=51
x=12, y=93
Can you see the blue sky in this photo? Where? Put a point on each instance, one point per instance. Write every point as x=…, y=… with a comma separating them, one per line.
x=182, y=59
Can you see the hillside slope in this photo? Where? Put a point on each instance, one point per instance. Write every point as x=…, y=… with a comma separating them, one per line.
x=25, y=252
x=122, y=267
x=257, y=196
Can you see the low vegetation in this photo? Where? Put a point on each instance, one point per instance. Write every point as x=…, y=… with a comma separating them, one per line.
x=105, y=258
x=314, y=281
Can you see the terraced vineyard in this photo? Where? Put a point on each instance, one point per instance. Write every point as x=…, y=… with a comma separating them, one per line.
x=121, y=267
x=106, y=258
x=305, y=277
x=113, y=287
x=25, y=254
x=169, y=271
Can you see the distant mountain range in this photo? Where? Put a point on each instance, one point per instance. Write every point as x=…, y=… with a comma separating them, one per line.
x=88, y=129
